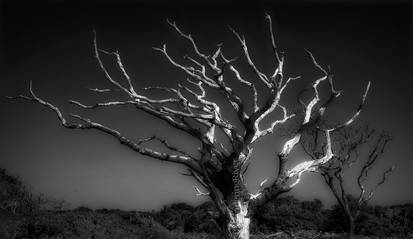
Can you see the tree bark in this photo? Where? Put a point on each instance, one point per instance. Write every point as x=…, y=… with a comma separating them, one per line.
x=236, y=225
x=352, y=227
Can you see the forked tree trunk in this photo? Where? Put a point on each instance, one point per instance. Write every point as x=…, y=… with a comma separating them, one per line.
x=237, y=205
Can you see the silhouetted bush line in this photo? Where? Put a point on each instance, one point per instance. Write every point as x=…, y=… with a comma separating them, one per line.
x=24, y=216
x=288, y=214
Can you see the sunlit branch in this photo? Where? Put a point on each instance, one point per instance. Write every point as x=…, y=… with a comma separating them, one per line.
x=121, y=67
x=213, y=108
x=88, y=124
x=98, y=105
x=164, y=112
x=104, y=70
x=249, y=84
x=280, y=59
x=291, y=143
x=318, y=66
x=200, y=193
x=146, y=104
x=358, y=111
x=307, y=166
x=165, y=143
x=258, y=73
x=311, y=165
x=259, y=191
x=97, y=90
x=195, y=47
x=188, y=70
x=215, y=81
x=261, y=133
x=273, y=44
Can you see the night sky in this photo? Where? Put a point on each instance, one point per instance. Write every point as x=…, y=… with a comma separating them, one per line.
x=50, y=43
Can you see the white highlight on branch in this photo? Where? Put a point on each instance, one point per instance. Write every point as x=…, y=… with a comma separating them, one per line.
x=259, y=192
x=200, y=193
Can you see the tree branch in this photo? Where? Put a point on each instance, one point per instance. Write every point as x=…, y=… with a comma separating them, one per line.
x=88, y=124
x=258, y=73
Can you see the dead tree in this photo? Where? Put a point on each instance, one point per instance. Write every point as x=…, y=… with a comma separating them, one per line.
x=347, y=146
x=221, y=162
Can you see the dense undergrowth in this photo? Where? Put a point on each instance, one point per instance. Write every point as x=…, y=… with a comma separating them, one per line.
x=23, y=215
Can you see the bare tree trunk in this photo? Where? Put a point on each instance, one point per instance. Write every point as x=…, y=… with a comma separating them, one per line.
x=240, y=225
x=230, y=196
x=235, y=225
x=351, y=222
x=352, y=228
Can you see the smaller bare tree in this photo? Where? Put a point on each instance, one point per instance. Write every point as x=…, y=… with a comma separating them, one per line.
x=348, y=143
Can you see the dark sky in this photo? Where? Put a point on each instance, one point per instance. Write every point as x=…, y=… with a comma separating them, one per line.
x=51, y=44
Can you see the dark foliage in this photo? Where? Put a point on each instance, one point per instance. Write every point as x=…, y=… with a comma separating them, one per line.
x=185, y=218
x=337, y=221
x=289, y=214
x=27, y=218
x=374, y=220
x=14, y=197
